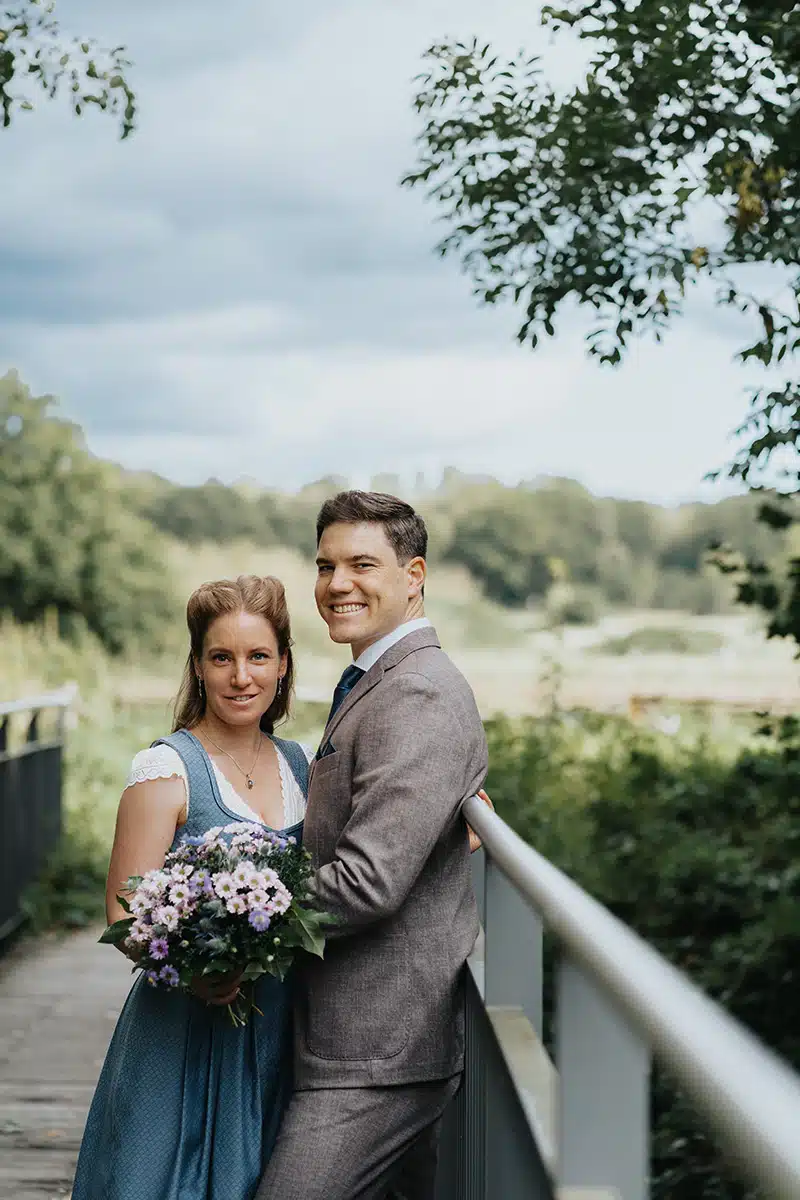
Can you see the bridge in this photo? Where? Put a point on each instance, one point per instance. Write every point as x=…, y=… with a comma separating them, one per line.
x=524, y=1125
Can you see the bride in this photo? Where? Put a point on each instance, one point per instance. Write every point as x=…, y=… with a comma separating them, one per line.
x=187, y=1105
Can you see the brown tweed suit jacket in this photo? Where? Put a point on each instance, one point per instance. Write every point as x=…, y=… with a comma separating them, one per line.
x=383, y=825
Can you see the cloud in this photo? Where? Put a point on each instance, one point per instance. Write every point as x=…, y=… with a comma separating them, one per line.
x=243, y=288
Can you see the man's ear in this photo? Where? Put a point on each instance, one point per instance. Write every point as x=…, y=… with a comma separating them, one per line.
x=416, y=571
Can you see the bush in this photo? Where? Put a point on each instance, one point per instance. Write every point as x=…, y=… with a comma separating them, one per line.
x=576, y=606
x=699, y=854
x=663, y=640
x=70, y=892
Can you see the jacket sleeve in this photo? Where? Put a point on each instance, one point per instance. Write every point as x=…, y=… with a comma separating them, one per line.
x=415, y=764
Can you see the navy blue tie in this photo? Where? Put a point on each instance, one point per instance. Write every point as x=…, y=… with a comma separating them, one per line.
x=350, y=677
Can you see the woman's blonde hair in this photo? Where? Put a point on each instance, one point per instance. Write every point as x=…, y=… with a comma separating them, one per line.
x=262, y=597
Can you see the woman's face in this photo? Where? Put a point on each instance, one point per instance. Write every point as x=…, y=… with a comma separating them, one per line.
x=240, y=667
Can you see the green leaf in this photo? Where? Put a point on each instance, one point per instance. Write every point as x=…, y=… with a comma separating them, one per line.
x=310, y=925
x=117, y=932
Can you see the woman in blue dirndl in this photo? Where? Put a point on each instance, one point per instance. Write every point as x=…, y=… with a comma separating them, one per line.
x=187, y=1107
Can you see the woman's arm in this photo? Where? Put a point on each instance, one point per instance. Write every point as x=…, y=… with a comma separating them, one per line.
x=147, y=818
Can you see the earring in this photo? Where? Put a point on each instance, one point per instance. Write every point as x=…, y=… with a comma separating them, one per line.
x=200, y=685
x=278, y=689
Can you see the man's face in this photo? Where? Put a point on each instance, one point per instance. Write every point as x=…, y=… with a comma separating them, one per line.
x=362, y=591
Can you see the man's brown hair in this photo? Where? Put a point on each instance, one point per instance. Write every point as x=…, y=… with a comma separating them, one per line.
x=404, y=528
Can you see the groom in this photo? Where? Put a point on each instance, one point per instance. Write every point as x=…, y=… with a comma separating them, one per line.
x=380, y=1027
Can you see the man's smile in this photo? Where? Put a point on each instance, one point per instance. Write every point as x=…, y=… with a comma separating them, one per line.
x=344, y=609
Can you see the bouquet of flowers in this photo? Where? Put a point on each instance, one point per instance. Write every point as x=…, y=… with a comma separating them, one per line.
x=235, y=899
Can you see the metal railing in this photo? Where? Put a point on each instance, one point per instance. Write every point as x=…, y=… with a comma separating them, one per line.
x=579, y=1129
x=30, y=796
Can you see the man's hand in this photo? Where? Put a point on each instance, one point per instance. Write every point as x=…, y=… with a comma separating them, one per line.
x=475, y=842
x=217, y=989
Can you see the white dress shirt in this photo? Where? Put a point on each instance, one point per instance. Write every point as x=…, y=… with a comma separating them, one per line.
x=370, y=656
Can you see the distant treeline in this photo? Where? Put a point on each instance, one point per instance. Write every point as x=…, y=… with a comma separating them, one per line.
x=79, y=536
x=517, y=542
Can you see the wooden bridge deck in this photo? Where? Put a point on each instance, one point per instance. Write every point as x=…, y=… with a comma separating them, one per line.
x=59, y=1000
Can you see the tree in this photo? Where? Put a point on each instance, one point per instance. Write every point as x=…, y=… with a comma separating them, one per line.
x=68, y=540
x=604, y=196
x=494, y=542
x=34, y=50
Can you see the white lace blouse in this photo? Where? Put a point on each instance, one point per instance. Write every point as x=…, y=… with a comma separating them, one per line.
x=161, y=762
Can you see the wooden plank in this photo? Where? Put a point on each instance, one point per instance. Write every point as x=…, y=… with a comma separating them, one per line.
x=59, y=1001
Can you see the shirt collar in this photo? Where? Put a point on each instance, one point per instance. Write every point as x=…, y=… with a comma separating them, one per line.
x=370, y=656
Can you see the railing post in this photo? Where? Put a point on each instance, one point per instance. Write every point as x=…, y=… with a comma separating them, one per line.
x=513, y=952
x=33, y=727
x=478, y=864
x=603, y=1068
x=30, y=798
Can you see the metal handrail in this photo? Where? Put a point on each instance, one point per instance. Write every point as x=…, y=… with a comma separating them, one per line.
x=59, y=699
x=748, y=1095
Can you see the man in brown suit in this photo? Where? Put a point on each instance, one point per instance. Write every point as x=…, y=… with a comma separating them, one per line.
x=380, y=1029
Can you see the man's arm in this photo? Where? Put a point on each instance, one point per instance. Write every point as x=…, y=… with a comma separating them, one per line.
x=409, y=784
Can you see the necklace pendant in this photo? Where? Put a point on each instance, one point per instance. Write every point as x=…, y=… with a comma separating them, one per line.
x=249, y=782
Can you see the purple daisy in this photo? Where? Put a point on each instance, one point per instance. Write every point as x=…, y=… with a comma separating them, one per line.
x=159, y=948
x=169, y=976
x=259, y=919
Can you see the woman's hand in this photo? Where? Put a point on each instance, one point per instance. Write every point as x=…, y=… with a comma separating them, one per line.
x=475, y=842
x=130, y=950
x=217, y=989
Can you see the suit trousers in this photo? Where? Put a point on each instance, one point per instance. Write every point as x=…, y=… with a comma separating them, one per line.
x=372, y=1143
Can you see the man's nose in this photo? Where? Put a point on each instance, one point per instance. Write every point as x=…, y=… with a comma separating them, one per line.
x=340, y=581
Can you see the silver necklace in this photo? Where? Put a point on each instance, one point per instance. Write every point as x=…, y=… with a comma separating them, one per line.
x=247, y=774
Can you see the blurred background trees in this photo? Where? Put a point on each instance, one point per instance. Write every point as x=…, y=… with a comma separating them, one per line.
x=90, y=541
x=70, y=542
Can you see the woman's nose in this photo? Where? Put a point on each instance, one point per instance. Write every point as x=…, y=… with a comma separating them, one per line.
x=241, y=672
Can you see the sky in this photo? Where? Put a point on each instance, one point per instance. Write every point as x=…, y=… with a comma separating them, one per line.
x=243, y=290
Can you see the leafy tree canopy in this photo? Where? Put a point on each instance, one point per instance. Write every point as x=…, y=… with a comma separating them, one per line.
x=674, y=162
x=68, y=540
x=35, y=51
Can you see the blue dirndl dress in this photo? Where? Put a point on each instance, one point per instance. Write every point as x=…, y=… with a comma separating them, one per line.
x=187, y=1107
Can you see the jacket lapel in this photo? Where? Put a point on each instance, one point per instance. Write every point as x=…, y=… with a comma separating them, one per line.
x=395, y=654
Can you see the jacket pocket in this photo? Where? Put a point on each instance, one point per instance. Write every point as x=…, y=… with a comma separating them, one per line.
x=359, y=998
x=325, y=767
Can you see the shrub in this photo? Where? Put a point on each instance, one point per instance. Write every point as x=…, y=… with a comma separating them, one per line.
x=699, y=854
x=661, y=639
x=70, y=892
